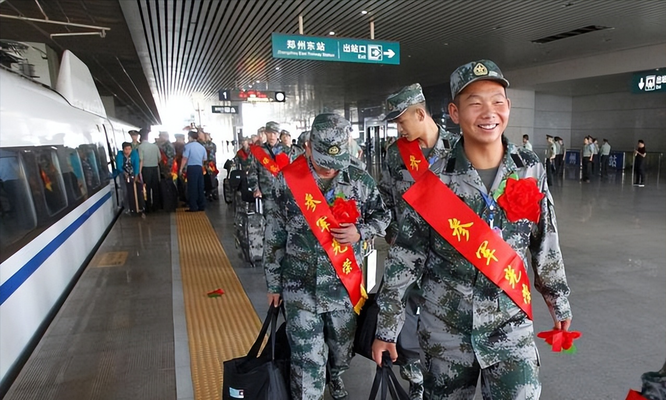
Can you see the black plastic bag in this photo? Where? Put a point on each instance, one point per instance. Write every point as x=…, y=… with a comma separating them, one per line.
x=386, y=383
x=258, y=376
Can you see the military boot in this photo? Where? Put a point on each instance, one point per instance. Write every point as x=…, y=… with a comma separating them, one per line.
x=337, y=388
x=415, y=391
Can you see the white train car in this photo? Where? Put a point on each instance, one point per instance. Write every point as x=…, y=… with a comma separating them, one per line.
x=57, y=198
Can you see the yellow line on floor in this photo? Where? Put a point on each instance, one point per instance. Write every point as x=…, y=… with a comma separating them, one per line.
x=219, y=328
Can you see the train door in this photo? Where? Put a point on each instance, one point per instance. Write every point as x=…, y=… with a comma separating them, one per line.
x=375, y=140
x=110, y=146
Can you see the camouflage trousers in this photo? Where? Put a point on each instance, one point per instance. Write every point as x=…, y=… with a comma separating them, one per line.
x=313, y=338
x=410, y=350
x=451, y=370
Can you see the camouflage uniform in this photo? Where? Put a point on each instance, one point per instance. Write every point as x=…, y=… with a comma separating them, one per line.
x=395, y=181
x=170, y=153
x=211, y=150
x=258, y=177
x=240, y=163
x=320, y=316
x=468, y=325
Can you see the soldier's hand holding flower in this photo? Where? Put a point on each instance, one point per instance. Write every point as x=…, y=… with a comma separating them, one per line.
x=346, y=233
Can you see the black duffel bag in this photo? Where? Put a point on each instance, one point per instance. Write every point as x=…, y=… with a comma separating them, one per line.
x=386, y=383
x=365, y=327
x=259, y=376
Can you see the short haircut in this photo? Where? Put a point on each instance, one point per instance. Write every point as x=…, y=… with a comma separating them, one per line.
x=193, y=134
x=641, y=141
x=526, y=137
x=126, y=144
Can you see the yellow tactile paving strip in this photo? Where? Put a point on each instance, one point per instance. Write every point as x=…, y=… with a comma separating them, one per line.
x=219, y=328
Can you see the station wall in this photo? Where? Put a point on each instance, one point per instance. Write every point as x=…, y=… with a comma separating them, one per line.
x=622, y=118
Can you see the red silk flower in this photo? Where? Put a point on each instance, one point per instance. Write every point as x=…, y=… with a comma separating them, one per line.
x=282, y=160
x=345, y=211
x=521, y=199
x=559, y=339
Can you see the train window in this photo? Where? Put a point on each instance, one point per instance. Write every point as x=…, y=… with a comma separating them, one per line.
x=51, y=179
x=104, y=167
x=17, y=213
x=90, y=166
x=72, y=173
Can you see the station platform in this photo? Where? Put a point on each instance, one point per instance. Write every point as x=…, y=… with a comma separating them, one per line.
x=139, y=323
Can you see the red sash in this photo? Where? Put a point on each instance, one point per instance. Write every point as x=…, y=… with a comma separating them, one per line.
x=242, y=154
x=319, y=217
x=449, y=216
x=273, y=166
x=413, y=157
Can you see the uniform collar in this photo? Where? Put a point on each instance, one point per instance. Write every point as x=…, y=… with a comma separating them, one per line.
x=464, y=166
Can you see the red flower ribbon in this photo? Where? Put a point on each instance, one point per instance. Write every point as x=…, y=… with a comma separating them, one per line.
x=634, y=395
x=521, y=199
x=345, y=211
x=559, y=339
x=215, y=293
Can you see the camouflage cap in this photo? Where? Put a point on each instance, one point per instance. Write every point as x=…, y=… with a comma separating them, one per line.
x=475, y=71
x=329, y=141
x=303, y=138
x=397, y=103
x=273, y=127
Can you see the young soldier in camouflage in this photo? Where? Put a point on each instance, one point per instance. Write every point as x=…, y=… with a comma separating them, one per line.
x=169, y=152
x=320, y=310
x=407, y=109
x=260, y=177
x=470, y=324
x=242, y=158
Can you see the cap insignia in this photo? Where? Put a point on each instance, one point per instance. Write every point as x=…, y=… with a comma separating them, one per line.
x=333, y=150
x=480, y=70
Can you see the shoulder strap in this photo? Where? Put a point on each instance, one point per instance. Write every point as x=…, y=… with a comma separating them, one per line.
x=517, y=160
x=450, y=165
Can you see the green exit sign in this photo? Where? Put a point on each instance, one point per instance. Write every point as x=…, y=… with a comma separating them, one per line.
x=649, y=81
x=299, y=47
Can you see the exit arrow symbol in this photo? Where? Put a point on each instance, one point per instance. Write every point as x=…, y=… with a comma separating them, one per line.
x=389, y=53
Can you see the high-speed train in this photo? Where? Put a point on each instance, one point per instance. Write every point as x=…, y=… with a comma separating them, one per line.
x=57, y=198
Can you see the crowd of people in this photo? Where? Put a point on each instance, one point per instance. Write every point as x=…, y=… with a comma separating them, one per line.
x=595, y=159
x=455, y=299
x=460, y=214
x=190, y=167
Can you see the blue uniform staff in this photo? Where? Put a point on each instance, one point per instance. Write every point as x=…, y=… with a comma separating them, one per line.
x=194, y=157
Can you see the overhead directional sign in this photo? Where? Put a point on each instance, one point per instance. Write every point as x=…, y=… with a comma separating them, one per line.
x=299, y=47
x=649, y=81
x=225, y=109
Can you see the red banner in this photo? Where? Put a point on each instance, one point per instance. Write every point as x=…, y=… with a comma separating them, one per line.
x=471, y=236
x=242, y=154
x=413, y=157
x=273, y=166
x=319, y=217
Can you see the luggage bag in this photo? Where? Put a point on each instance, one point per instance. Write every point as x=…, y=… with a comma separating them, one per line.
x=169, y=193
x=249, y=233
x=260, y=376
x=135, y=196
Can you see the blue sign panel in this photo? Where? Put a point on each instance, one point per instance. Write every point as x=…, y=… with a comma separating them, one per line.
x=299, y=47
x=572, y=157
x=616, y=160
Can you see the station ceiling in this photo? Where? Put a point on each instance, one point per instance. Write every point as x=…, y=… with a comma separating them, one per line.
x=157, y=49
